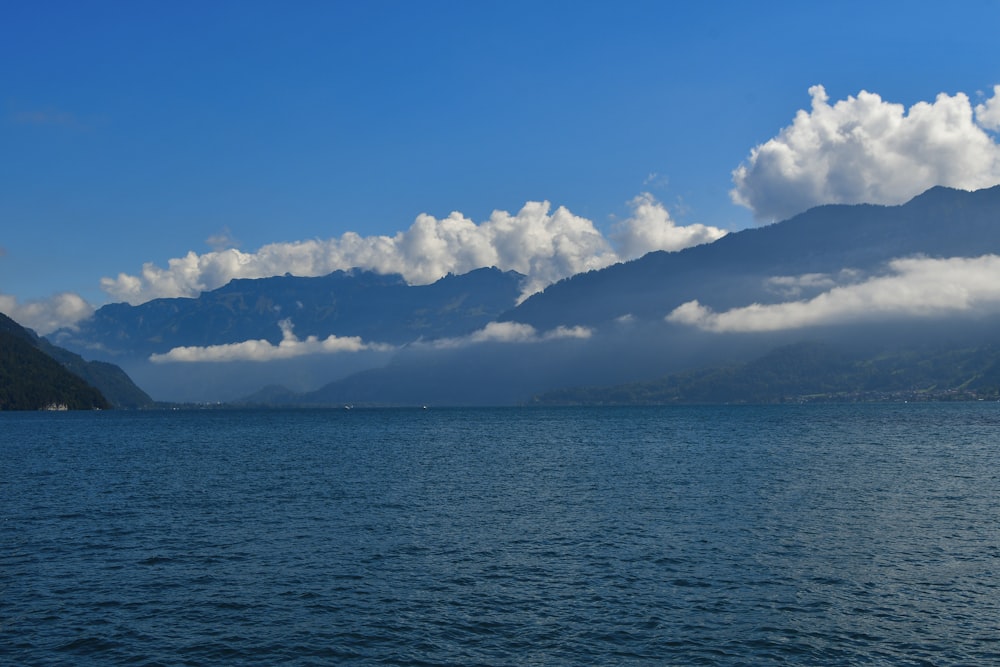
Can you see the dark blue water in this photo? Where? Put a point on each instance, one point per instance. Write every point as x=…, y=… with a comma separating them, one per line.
x=811, y=535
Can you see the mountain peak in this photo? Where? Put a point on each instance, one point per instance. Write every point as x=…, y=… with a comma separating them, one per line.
x=941, y=194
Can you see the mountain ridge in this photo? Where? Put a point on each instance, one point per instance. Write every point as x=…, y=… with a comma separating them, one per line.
x=827, y=238
x=377, y=307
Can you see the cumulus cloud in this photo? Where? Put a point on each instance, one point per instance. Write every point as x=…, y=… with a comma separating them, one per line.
x=650, y=228
x=543, y=244
x=988, y=113
x=510, y=332
x=263, y=350
x=47, y=315
x=865, y=149
x=913, y=287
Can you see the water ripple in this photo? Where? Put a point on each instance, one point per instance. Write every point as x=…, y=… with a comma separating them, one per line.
x=812, y=535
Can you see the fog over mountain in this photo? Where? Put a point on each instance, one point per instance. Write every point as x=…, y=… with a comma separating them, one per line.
x=874, y=274
x=298, y=331
x=871, y=278
x=828, y=254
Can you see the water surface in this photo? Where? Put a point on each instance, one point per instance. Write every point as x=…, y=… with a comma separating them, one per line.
x=812, y=535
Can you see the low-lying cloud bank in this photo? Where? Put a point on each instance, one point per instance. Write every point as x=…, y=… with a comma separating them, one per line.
x=291, y=346
x=867, y=150
x=914, y=287
x=263, y=350
x=510, y=332
x=542, y=244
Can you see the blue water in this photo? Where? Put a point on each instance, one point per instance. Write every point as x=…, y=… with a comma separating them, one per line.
x=810, y=535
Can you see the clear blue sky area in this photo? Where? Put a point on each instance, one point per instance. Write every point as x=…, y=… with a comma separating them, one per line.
x=131, y=132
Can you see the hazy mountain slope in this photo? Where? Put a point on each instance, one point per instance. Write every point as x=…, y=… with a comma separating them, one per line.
x=112, y=381
x=732, y=271
x=32, y=380
x=813, y=371
x=488, y=374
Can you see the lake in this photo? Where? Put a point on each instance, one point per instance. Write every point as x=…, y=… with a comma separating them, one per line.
x=725, y=535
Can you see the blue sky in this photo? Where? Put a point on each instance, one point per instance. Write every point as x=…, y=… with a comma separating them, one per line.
x=139, y=132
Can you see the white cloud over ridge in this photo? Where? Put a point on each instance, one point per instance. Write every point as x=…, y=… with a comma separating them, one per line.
x=46, y=315
x=650, y=228
x=914, y=287
x=291, y=346
x=263, y=350
x=866, y=150
x=544, y=245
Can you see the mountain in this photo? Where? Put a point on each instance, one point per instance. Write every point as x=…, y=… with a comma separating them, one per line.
x=735, y=270
x=383, y=311
x=465, y=340
x=483, y=374
x=813, y=371
x=623, y=307
x=378, y=308
x=112, y=382
x=32, y=380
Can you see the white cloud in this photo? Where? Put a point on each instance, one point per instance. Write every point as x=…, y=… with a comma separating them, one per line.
x=291, y=346
x=864, y=149
x=510, y=332
x=47, y=315
x=263, y=350
x=915, y=287
x=544, y=245
x=988, y=113
x=650, y=228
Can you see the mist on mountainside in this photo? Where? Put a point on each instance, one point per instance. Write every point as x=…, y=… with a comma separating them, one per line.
x=856, y=275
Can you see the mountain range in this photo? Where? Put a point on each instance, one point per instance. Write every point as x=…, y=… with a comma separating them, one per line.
x=467, y=340
x=375, y=307
x=739, y=268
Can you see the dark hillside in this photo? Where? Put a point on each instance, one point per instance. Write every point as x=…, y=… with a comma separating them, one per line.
x=32, y=380
x=29, y=377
